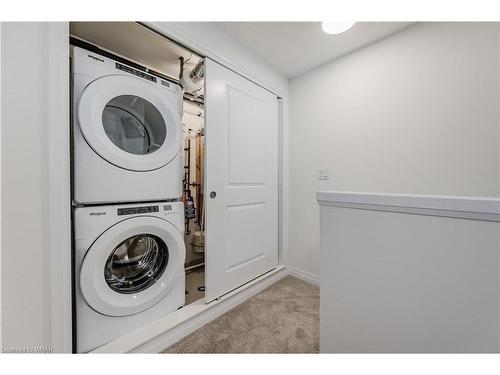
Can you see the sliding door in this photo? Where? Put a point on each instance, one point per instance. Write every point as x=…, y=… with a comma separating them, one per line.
x=241, y=180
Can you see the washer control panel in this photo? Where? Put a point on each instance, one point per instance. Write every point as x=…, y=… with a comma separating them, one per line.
x=170, y=209
x=91, y=221
x=166, y=208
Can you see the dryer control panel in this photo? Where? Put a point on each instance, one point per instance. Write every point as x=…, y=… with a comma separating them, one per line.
x=135, y=72
x=137, y=210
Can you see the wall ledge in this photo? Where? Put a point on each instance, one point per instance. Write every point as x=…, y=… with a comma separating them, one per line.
x=475, y=208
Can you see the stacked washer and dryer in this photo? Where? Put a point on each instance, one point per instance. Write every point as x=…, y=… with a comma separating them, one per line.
x=127, y=185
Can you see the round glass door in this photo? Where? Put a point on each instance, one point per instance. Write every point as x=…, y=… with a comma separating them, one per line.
x=134, y=124
x=130, y=123
x=136, y=263
x=132, y=265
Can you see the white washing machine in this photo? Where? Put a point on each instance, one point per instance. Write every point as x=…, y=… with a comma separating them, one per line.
x=127, y=132
x=129, y=268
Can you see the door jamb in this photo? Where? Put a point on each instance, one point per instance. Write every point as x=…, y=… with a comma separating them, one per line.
x=59, y=196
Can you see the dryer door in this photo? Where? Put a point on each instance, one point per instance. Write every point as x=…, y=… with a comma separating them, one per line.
x=129, y=122
x=132, y=266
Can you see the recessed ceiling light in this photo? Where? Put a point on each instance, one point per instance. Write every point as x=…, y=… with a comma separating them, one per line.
x=336, y=27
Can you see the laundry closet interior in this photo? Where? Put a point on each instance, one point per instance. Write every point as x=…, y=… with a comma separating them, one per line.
x=175, y=180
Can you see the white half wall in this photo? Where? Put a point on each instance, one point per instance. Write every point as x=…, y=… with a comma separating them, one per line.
x=415, y=113
x=409, y=274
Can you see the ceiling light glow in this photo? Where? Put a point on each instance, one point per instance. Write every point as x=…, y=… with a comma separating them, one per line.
x=336, y=27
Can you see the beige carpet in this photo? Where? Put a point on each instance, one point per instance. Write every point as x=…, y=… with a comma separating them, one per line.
x=284, y=318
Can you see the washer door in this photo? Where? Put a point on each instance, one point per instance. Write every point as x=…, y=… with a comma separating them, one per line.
x=132, y=266
x=129, y=122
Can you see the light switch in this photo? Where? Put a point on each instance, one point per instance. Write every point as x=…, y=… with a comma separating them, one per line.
x=323, y=174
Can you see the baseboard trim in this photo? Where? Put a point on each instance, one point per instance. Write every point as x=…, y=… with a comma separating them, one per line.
x=303, y=275
x=187, y=320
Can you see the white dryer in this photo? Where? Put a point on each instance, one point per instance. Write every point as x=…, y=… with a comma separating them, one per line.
x=129, y=268
x=127, y=132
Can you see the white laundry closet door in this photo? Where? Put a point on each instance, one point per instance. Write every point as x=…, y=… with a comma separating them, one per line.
x=242, y=173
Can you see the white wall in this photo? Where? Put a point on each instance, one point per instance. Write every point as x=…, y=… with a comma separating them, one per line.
x=25, y=228
x=416, y=113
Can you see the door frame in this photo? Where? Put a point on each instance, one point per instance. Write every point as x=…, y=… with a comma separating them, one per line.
x=59, y=195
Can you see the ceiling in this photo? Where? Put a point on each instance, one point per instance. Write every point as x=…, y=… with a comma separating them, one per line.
x=292, y=48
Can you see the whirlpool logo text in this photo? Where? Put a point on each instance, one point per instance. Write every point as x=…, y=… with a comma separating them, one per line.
x=95, y=58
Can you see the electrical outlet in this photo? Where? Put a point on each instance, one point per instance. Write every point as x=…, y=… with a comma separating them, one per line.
x=323, y=174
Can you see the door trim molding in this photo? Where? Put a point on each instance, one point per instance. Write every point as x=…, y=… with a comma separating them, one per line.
x=59, y=194
x=1, y=25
